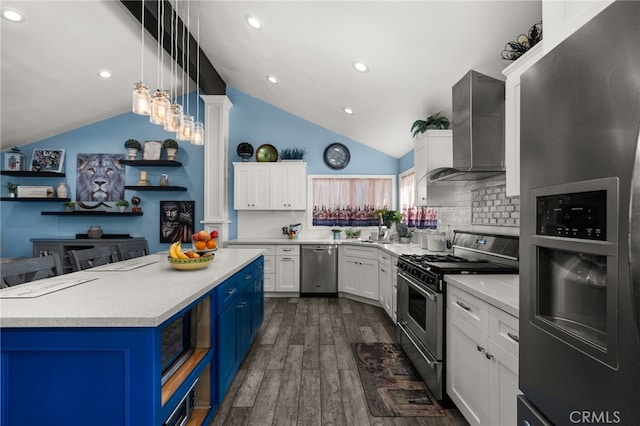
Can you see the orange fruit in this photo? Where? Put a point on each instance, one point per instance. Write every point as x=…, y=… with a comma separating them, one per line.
x=200, y=245
x=211, y=244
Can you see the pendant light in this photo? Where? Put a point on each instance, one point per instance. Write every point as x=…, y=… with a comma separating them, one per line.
x=160, y=103
x=186, y=129
x=141, y=98
x=174, y=119
x=197, y=138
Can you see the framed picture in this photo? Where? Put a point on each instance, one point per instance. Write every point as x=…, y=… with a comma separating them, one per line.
x=47, y=160
x=176, y=221
x=152, y=150
x=99, y=177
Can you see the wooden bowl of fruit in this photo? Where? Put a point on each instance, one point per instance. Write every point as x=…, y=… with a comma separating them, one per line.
x=205, y=242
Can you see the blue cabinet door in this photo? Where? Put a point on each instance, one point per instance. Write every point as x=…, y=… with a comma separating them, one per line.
x=227, y=345
x=244, y=321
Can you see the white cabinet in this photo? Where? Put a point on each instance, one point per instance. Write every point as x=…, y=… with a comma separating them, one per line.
x=482, y=359
x=512, y=115
x=288, y=187
x=432, y=150
x=561, y=18
x=394, y=277
x=385, y=282
x=250, y=187
x=270, y=186
x=358, y=271
x=269, y=262
x=288, y=268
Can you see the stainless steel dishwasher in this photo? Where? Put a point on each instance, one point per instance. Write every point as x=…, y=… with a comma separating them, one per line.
x=319, y=270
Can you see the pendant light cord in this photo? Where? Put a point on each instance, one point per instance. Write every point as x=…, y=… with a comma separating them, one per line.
x=198, y=67
x=142, y=46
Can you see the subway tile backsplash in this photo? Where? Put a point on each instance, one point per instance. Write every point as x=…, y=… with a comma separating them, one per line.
x=491, y=206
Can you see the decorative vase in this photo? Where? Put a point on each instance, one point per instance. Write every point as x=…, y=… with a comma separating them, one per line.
x=121, y=209
x=12, y=195
x=171, y=153
x=336, y=235
x=69, y=208
x=132, y=153
x=61, y=190
x=164, y=180
x=94, y=232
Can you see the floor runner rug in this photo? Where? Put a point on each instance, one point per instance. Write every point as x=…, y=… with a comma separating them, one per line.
x=392, y=386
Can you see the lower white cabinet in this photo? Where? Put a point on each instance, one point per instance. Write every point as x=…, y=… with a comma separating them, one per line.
x=385, y=282
x=482, y=360
x=288, y=268
x=358, y=271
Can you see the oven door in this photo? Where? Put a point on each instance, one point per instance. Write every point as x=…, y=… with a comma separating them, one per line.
x=420, y=311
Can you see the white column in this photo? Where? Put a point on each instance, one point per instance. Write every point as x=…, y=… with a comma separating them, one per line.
x=216, y=144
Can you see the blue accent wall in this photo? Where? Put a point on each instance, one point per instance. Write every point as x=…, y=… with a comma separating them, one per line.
x=405, y=162
x=251, y=120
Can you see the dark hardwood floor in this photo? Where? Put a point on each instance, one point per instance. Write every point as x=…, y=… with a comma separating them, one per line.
x=301, y=370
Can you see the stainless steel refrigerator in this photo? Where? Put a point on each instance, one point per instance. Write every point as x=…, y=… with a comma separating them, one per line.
x=580, y=227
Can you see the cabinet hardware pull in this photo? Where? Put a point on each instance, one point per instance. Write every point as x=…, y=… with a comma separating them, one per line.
x=463, y=306
x=230, y=292
x=247, y=277
x=480, y=348
x=242, y=305
x=286, y=258
x=513, y=337
x=488, y=355
x=382, y=269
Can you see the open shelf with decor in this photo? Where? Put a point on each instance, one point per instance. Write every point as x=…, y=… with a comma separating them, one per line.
x=28, y=173
x=34, y=199
x=152, y=163
x=90, y=213
x=155, y=188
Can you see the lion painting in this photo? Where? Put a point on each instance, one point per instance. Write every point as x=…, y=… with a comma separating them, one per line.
x=100, y=177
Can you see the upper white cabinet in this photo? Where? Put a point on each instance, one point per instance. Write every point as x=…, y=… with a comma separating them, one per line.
x=561, y=18
x=433, y=149
x=269, y=186
x=288, y=187
x=512, y=115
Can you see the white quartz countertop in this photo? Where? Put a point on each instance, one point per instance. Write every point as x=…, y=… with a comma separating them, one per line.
x=393, y=249
x=142, y=297
x=501, y=291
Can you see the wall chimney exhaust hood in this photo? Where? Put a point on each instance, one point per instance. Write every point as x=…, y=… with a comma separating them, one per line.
x=478, y=129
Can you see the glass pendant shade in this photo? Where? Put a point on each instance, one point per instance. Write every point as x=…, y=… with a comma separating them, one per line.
x=160, y=106
x=186, y=130
x=198, y=134
x=141, y=99
x=174, y=120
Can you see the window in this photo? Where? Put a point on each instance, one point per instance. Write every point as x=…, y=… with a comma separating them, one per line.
x=412, y=216
x=350, y=201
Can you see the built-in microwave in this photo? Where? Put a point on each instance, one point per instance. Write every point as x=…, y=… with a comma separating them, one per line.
x=178, y=340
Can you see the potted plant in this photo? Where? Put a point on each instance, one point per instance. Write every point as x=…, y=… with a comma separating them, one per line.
x=69, y=206
x=171, y=146
x=336, y=233
x=122, y=205
x=133, y=146
x=389, y=217
x=296, y=154
x=12, y=187
x=404, y=233
x=352, y=233
x=435, y=121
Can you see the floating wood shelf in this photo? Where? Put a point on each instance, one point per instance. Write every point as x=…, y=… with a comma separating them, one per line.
x=155, y=188
x=152, y=163
x=169, y=388
x=90, y=213
x=60, y=200
x=28, y=173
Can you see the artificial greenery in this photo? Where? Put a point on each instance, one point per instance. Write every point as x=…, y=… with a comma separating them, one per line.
x=124, y=203
x=435, y=121
x=352, y=233
x=69, y=204
x=170, y=143
x=292, y=153
x=389, y=217
x=12, y=187
x=336, y=230
x=132, y=144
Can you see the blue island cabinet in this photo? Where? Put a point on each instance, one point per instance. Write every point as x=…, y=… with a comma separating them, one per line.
x=240, y=307
x=111, y=376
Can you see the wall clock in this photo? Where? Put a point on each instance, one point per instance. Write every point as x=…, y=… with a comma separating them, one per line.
x=337, y=156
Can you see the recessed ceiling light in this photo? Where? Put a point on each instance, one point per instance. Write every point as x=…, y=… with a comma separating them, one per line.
x=360, y=66
x=254, y=22
x=104, y=74
x=272, y=79
x=13, y=15
x=348, y=110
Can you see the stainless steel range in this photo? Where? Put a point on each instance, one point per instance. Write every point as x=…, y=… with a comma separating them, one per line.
x=421, y=294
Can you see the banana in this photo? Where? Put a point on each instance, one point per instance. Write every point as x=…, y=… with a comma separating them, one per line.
x=179, y=252
x=172, y=251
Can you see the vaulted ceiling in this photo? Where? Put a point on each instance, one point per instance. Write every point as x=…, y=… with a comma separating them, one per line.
x=415, y=51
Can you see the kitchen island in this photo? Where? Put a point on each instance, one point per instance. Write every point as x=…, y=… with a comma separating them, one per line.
x=91, y=351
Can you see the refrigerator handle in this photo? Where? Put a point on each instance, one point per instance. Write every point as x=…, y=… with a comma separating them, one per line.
x=634, y=229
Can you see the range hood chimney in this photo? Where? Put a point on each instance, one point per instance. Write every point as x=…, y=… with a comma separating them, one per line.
x=478, y=129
